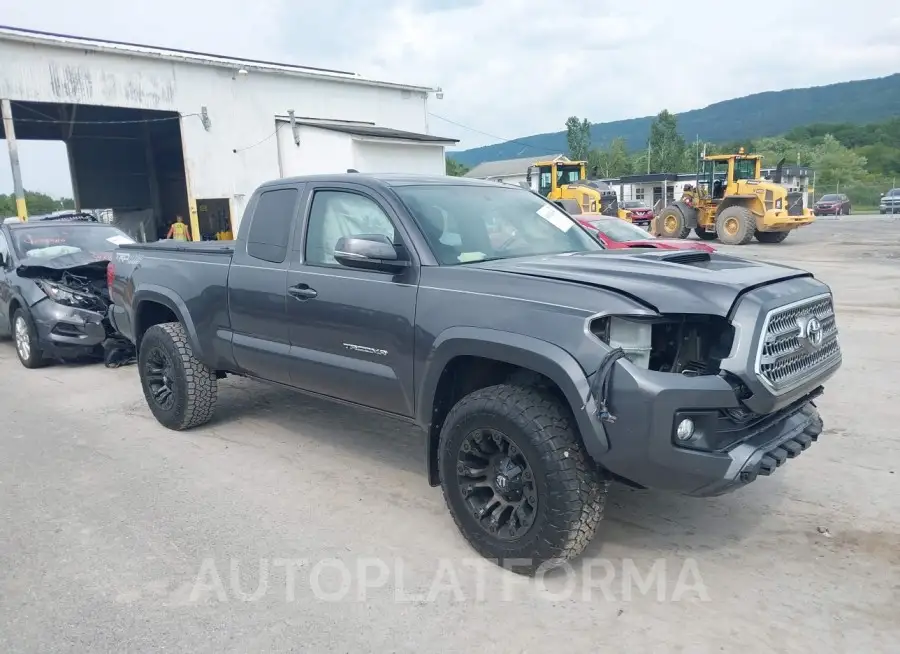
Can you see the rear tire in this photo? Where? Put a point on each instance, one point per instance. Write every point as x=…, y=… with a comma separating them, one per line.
x=25, y=336
x=551, y=497
x=735, y=226
x=704, y=235
x=671, y=223
x=771, y=237
x=179, y=389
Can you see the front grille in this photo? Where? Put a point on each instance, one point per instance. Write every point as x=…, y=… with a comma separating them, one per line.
x=790, y=353
x=795, y=204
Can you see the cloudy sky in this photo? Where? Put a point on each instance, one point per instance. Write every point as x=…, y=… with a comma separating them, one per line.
x=509, y=68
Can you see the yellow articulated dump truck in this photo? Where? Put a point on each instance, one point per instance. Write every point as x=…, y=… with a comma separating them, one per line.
x=732, y=203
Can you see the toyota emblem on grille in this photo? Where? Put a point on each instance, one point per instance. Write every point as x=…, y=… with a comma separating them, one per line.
x=811, y=333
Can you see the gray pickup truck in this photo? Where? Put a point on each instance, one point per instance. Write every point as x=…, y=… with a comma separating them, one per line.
x=540, y=366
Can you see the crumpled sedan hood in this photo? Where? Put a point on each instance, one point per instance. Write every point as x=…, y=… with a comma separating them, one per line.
x=668, y=281
x=85, y=264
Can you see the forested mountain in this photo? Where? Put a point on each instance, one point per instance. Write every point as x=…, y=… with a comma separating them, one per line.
x=750, y=117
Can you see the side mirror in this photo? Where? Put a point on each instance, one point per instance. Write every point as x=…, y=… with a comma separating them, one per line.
x=369, y=252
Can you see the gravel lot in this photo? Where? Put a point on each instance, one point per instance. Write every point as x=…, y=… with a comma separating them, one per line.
x=114, y=531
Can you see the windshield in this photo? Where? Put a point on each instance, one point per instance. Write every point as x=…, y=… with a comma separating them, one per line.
x=49, y=241
x=829, y=198
x=464, y=224
x=619, y=230
x=633, y=204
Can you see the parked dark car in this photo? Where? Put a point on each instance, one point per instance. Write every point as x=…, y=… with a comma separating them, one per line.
x=890, y=202
x=540, y=365
x=833, y=204
x=54, y=297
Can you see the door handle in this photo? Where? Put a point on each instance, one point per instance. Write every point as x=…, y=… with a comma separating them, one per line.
x=302, y=292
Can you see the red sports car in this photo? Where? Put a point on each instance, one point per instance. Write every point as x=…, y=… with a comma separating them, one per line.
x=615, y=234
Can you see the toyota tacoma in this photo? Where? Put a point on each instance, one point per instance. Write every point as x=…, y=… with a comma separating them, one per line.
x=540, y=365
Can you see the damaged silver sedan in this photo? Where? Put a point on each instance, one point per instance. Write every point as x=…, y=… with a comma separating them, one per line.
x=54, y=297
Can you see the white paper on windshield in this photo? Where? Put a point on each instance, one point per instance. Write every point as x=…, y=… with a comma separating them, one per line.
x=555, y=218
x=120, y=240
x=466, y=257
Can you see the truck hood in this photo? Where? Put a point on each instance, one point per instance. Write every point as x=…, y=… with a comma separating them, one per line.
x=667, y=281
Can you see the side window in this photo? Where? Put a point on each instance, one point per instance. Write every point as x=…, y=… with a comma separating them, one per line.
x=335, y=214
x=270, y=229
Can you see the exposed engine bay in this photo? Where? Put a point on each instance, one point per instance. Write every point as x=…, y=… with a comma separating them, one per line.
x=687, y=344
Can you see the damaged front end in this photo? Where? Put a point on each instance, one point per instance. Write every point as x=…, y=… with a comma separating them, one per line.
x=72, y=316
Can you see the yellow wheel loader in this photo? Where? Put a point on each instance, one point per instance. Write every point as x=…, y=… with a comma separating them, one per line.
x=733, y=203
x=565, y=182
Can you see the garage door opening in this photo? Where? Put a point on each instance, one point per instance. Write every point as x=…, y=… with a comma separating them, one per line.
x=129, y=161
x=214, y=218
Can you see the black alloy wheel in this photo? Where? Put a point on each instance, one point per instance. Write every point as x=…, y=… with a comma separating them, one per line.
x=497, y=484
x=159, y=373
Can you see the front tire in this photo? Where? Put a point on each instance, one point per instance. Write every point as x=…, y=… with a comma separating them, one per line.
x=771, y=237
x=28, y=347
x=671, y=223
x=735, y=226
x=517, y=480
x=179, y=389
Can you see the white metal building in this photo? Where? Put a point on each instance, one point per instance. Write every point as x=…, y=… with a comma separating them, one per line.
x=164, y=131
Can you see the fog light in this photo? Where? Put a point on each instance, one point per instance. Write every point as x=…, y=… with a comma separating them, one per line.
x=685, y=430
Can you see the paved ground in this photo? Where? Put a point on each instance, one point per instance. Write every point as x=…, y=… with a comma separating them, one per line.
x=108, y=521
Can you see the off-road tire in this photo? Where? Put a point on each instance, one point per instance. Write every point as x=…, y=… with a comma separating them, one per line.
x=35, y=358
x=704, y=235
x=680, y=228
x=571, y=491
x=745, y=230
x=771, y=237
x=194, y=385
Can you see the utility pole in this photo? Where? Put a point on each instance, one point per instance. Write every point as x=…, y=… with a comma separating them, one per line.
x=10, y=132
x=648, y=158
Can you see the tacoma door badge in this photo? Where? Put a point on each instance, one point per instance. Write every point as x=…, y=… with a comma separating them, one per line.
x=365, y=350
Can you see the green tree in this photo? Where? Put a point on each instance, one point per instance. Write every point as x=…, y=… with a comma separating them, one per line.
x=613, y=161
x=36, y=203
x=578, y=136
x=667, y=149
x=455, y=169
x=837, y=166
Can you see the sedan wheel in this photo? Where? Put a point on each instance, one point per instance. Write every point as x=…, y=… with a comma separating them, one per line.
x=23, y=338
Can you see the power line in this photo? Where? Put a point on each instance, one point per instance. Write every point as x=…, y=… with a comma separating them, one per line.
x=62, y=121
x=494, y=136
x=236, y=150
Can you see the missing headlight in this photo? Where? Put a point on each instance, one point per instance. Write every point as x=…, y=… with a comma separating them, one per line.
x=686, y=344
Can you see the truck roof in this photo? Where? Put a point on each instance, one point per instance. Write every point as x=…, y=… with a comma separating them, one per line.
x=388, y=180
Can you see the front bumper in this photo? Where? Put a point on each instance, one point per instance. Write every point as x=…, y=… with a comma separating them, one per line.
x=69, y=332
x=779, y=220
x=734, y=445
x=827, y=211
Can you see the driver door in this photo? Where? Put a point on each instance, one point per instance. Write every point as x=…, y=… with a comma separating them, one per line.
x=351, y=331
